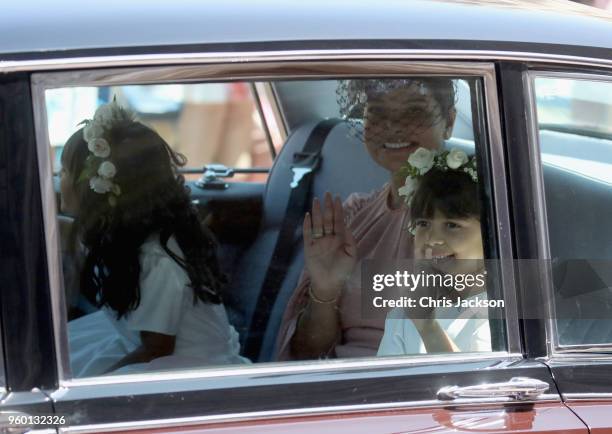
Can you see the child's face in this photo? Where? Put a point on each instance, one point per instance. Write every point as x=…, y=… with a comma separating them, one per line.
x=68, y=203
x=446, y=239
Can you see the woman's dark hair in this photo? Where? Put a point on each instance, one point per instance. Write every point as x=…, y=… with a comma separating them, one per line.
x=352, y=95
x=153, y=200
x=452, y=192
x=442, y=90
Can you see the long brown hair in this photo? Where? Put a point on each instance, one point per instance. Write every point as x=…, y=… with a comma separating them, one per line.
x=153, y=200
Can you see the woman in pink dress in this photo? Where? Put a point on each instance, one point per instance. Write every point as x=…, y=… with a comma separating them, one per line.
x=323, y=317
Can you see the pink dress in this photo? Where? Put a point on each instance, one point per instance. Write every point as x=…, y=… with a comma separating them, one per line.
x=380, y=232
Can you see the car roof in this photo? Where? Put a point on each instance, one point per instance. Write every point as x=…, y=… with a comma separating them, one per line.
x=39, y=28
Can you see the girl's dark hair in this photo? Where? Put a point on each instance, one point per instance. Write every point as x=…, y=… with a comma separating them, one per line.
x=452, y=192
x=153, y=200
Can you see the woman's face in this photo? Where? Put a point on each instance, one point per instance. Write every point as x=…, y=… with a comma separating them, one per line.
x=445, y=240
x=400, y=121
x=68, y=203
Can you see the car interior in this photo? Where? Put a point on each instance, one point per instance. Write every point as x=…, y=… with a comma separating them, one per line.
x=247, y=217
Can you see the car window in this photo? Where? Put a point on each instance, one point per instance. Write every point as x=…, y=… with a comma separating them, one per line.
x=573, y=105
x=210, y=123
x=575, y=119
x=397, y=260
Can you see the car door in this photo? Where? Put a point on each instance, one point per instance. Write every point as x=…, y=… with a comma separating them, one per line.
x=28, y=364
x=572, y=128
x=504, y=389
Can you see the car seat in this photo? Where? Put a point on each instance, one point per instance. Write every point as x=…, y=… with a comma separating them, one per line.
x=346, y=167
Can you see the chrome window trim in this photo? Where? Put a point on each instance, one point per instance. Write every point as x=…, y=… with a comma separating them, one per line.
x=2, y=370
x=274, y=122
x=578, y=357
x=273, y=70
x=52, y=236
x=539, y=208
x=277, y=70
x=265, y=416
x=587, y=396
x=288, y=368
x=292, y=55
x=581, y=351
x=502, y=211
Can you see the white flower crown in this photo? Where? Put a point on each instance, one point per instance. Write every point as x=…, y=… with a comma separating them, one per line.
x=99, y=169
x=423, y=160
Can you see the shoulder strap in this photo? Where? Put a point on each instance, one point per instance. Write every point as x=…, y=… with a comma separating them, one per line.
x=305, y=164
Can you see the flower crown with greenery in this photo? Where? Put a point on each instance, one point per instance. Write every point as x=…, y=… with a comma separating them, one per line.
x=99, y=168
x=423, y=160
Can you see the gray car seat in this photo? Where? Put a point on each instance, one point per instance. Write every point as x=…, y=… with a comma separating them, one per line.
x=580, y=238
x=345, y=168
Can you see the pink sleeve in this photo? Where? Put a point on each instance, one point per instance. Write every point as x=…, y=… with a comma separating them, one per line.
x=299, y=299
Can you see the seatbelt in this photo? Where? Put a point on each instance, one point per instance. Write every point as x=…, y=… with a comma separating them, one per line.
x=305, y=165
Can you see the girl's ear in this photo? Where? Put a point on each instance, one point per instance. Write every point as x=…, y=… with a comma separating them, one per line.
x=450, y=123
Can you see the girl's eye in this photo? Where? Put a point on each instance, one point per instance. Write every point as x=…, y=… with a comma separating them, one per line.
x=421, y=223
x=453, y=225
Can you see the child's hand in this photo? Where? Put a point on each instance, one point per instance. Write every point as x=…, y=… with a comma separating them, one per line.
x=433, y=295
x=330, y=251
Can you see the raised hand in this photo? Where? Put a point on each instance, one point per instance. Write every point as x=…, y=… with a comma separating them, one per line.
x=330, y=251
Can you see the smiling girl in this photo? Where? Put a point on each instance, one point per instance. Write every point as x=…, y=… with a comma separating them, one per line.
x=441, y=189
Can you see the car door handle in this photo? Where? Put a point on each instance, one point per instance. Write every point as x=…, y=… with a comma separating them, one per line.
x=517, y=388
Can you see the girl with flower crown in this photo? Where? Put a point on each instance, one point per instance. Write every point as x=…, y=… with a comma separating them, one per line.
x=150, y=266
x=441, y=190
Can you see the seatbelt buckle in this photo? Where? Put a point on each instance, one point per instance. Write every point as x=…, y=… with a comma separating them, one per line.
x=304, y=163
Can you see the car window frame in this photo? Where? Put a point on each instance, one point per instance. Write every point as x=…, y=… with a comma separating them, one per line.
x=555, y=349
x=272, y=69
x=2, y=369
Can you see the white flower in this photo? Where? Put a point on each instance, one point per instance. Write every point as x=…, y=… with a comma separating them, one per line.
x=407, y=190
x=106, y=114
x=472, y=172
x=107, y=170
x=456, y=158
x=99, y=147
x=422, y=159
x=100, y=185
x=92, y=131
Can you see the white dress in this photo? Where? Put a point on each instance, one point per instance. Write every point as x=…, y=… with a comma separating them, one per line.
x=203, y=333
x=468, y=333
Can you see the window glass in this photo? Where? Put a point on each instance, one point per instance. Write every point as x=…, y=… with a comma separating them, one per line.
x=207, y=123
x=158, y=278
x=575, y=132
